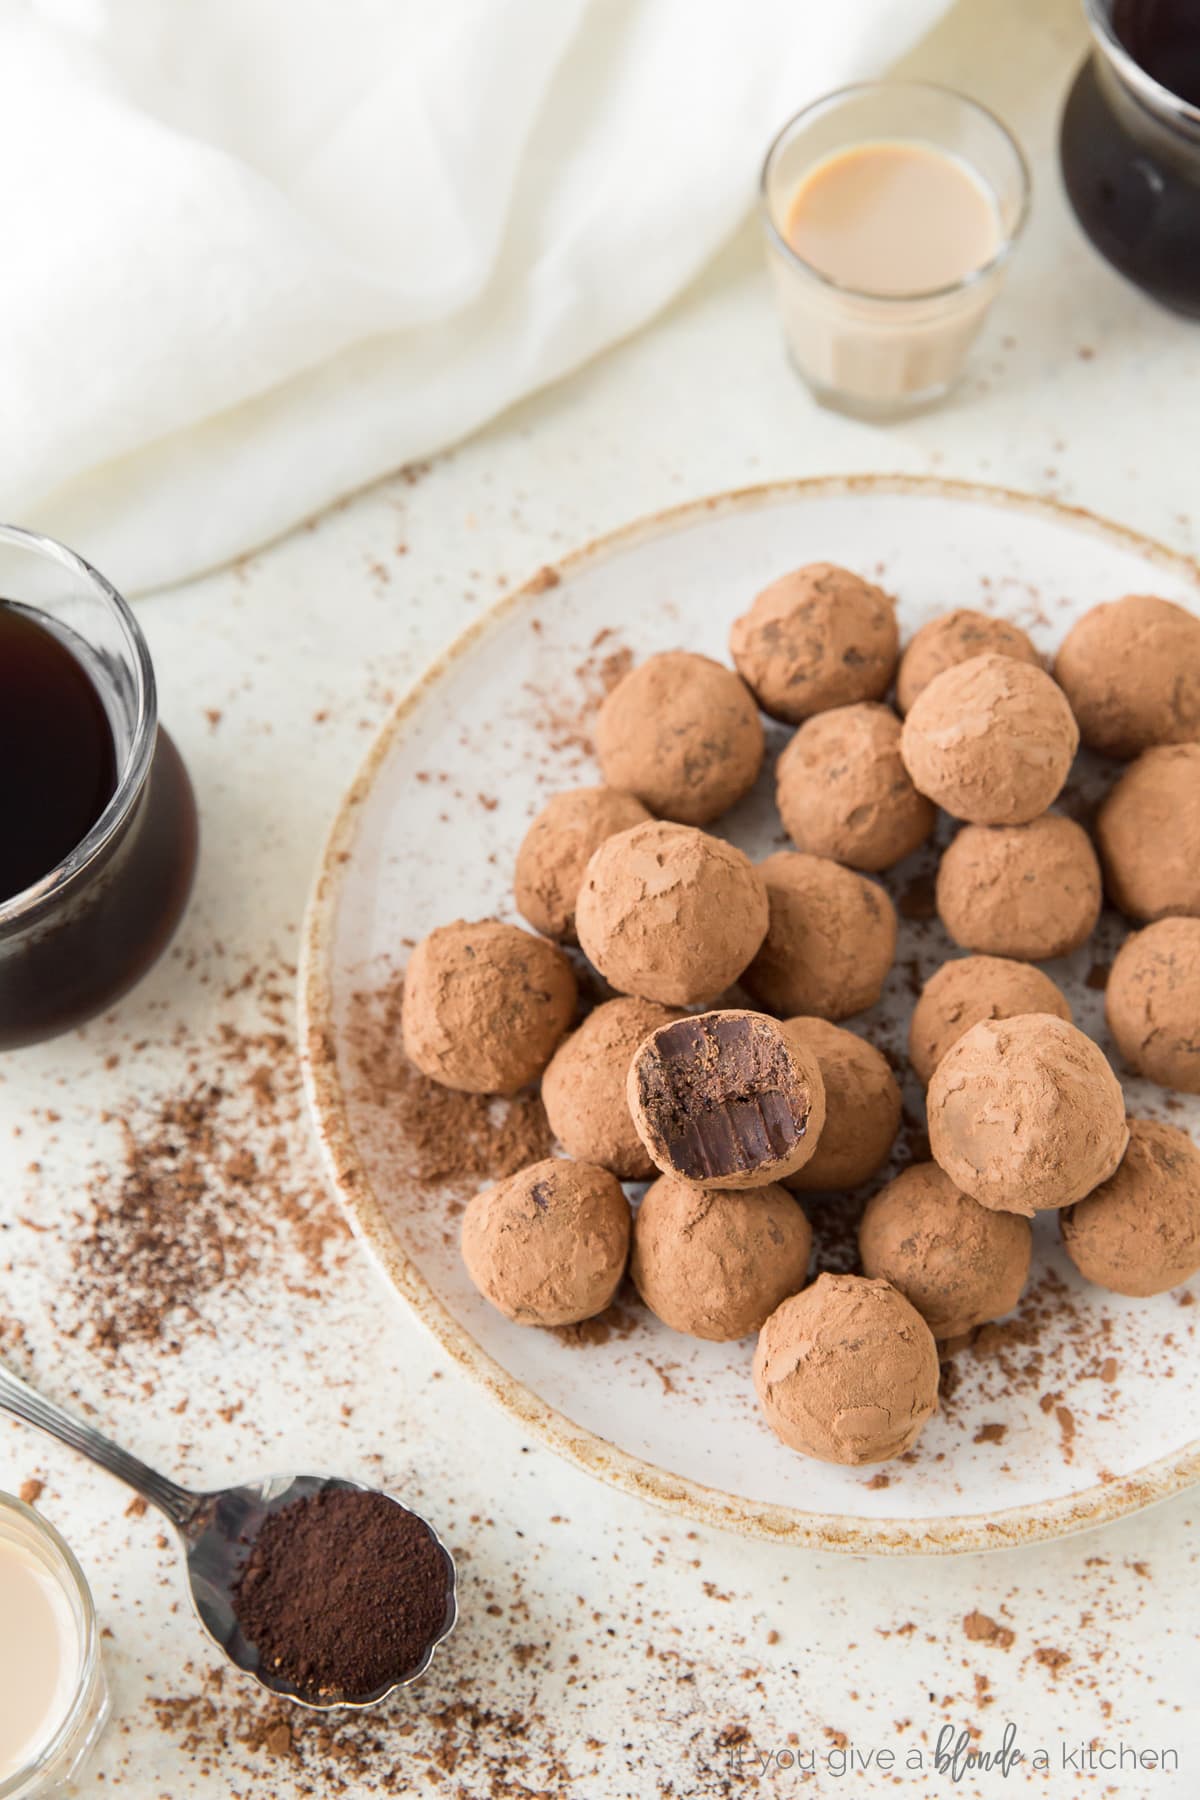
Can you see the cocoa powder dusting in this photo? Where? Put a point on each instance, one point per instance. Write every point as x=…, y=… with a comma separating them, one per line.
x=206, y=1179
x=438, y=1136
x=459, y=1747
x=565, y=721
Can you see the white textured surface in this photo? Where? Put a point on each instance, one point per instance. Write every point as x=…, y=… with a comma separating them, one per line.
x=639, y=1641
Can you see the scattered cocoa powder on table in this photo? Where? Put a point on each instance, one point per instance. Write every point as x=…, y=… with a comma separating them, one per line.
x=207, y=1176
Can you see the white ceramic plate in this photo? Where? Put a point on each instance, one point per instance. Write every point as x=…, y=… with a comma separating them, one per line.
x=1092, y=1416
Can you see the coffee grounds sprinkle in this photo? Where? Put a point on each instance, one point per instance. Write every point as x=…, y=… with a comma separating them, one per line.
x=343, y=1593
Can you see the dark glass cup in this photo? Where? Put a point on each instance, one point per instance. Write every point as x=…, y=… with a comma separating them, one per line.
x=1130, y=146
x=81, y=935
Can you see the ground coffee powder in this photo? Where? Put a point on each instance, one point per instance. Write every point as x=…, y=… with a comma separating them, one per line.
x=343, y=1593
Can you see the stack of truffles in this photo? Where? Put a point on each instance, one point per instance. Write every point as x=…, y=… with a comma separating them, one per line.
x=733, y=1105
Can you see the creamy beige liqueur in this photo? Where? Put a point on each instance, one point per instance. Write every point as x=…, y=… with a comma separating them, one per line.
x=39, y=1656
x=893, y=218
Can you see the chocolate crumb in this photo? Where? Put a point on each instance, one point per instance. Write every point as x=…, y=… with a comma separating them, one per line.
x=983, y=1630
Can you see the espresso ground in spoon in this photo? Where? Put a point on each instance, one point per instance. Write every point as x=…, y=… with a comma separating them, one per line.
x=343, y=1593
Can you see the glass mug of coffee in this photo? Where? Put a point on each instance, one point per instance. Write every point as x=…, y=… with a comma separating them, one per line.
x=1129, y=144
x=97, y=818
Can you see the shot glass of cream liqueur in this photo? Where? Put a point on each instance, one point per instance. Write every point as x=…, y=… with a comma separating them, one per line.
x=55, y=1702
x=890, y=210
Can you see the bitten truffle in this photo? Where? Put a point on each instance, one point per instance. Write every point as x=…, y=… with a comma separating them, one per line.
x=971, y=988
x=843, y=791
x=726, y=1099
x=816, y=638
x=1153, y=1003
x=953, y=638
x=556, y=850
x=1027, y=891
x=1148, y=835
x=847, y=1371
x=1139, y=1232
x=682, y=733
x=959, y=1263
x=583, y=1089
x=862, y=1107
x=830, y=943
x=1131, y=671
x=549, y=1245
x=670, y=914
x=715, y=1265
x=485, y=1005
x=1026, y=1114
x=991, y=740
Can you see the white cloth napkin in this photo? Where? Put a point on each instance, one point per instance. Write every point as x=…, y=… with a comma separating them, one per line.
x=259, y=252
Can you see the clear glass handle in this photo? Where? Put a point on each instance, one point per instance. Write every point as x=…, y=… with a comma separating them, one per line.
x=17, y=1397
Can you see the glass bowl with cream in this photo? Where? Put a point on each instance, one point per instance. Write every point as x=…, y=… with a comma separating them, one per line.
x=54, y=1699
x=890, y=211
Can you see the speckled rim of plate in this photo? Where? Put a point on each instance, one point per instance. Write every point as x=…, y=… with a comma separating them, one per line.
x=678, y=1494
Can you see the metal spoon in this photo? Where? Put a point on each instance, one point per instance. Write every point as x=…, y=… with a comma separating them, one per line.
x=218, y=1532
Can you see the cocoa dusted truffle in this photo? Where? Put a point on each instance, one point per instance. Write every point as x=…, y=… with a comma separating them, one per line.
x=955, y=637
x=670, y=914
x=1131, y=671
x=485, y=1005
x=726, y=1099
x=549, y=1245
x=1026, y=1114
x=1153, y=1003
x=843, y=791
x=862, y=1107
x=583, y=1089
x=831, y=940
x=971, y=988
x=715, y=1265
x=682, y=733
x=1139, y=1232
x=816, y=638
x=991, y=740
x=556, y=850
x=1027, y=891
x=1148, y=834
x=847, y=1371
x=959, y=1263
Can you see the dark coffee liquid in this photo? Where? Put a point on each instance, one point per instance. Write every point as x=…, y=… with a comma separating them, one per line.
x=1134, y=179
x=1163, y=37
x=71, y=953
x=58, y=764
